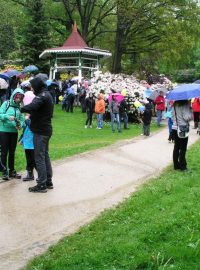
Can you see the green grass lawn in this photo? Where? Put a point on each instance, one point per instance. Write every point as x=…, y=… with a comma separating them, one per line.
x=70, y=137
x=158, y=227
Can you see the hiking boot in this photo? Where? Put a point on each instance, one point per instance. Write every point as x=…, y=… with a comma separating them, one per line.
x=14, y=174
x=38, y=189
x=49, y=184
x=29, y=176
x=5, y=176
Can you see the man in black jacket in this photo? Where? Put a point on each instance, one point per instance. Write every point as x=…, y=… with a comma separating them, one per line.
x=41, y=111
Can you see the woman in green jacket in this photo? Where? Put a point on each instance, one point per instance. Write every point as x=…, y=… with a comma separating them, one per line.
x=11, y=120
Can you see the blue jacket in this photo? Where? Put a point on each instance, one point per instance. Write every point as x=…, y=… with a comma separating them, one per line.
x=27, y=137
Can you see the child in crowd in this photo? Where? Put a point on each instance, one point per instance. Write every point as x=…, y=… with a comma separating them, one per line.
x=170, y=122
x=27, y=139
x=146, y=116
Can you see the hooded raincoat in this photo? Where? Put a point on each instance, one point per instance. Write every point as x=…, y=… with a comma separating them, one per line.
x=10, y=108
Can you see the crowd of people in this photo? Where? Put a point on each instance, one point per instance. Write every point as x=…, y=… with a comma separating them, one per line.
x=30, y=107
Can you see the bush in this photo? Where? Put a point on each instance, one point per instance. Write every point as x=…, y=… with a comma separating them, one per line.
x=185, y=76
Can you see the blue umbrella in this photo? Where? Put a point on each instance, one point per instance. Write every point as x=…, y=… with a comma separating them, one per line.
x=30, y=69
x=48, y=82
x=4, y=76
x=12, y=73
x=184, y=92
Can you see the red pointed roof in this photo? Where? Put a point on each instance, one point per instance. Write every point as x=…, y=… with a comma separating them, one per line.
x=75, y=40
x=75, y=44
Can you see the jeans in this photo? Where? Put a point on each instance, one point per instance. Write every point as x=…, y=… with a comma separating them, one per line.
x=159, y=117
x=70, y=103
x=170, y=123
x=180, y=148
x=89, y=118
x=100, y=120
x=8, y=142
x=125, y=118
x=113, y=117
x=42, y=160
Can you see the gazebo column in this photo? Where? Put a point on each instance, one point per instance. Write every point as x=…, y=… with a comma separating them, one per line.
x=55, y=68
x=51, y=73
x=97, y=63
x=79, y=67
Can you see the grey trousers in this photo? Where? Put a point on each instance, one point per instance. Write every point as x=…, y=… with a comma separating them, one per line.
x=146, y=130
x=42, y=160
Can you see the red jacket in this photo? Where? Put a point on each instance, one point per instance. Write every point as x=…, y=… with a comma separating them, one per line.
x=196, y=105
x=160, y=103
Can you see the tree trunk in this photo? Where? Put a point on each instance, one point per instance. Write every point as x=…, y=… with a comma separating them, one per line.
x=116, y=66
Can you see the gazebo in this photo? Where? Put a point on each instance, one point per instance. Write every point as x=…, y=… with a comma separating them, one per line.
x=74, y=55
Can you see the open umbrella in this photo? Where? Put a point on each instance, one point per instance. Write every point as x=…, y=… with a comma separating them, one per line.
x=155, y=93
x=4, y=76
x=25, y=83
x=119, y=97
x=197, y=81
x=3, y=84
x=50, y=82
x=28, y=97
x=12, y=73
x=30, y=69
x=76, y=78
x=42, y=76
x=184, y=92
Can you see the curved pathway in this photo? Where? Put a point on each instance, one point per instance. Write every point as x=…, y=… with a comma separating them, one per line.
x=85, y=185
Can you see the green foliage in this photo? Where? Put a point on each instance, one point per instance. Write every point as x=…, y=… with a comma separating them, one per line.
x=157, y=228
x=7, y=41
x=35, y=34
x=144, y=36
x=185, y=76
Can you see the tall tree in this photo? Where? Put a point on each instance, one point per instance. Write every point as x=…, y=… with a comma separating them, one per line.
x=142, y=24
x=7, y=29
x=35, y=33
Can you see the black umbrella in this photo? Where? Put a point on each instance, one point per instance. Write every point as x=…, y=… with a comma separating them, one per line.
x=42, y=76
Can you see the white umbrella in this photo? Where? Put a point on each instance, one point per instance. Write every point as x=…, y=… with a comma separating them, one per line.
x=25, y=83
x=3, y=84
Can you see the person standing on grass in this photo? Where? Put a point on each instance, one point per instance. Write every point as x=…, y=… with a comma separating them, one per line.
x=160, y=107
x=41, y=112
x=100, y=110
x=181, y=116
x=123, y=112
x=114, y=113
x=70, y=99
x=146, y=116
x=12, y=121
x=90, y=106
x=27, y=139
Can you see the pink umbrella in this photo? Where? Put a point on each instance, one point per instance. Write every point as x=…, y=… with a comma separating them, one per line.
x=3, y=84
x=119, y=97
x=28, y=97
